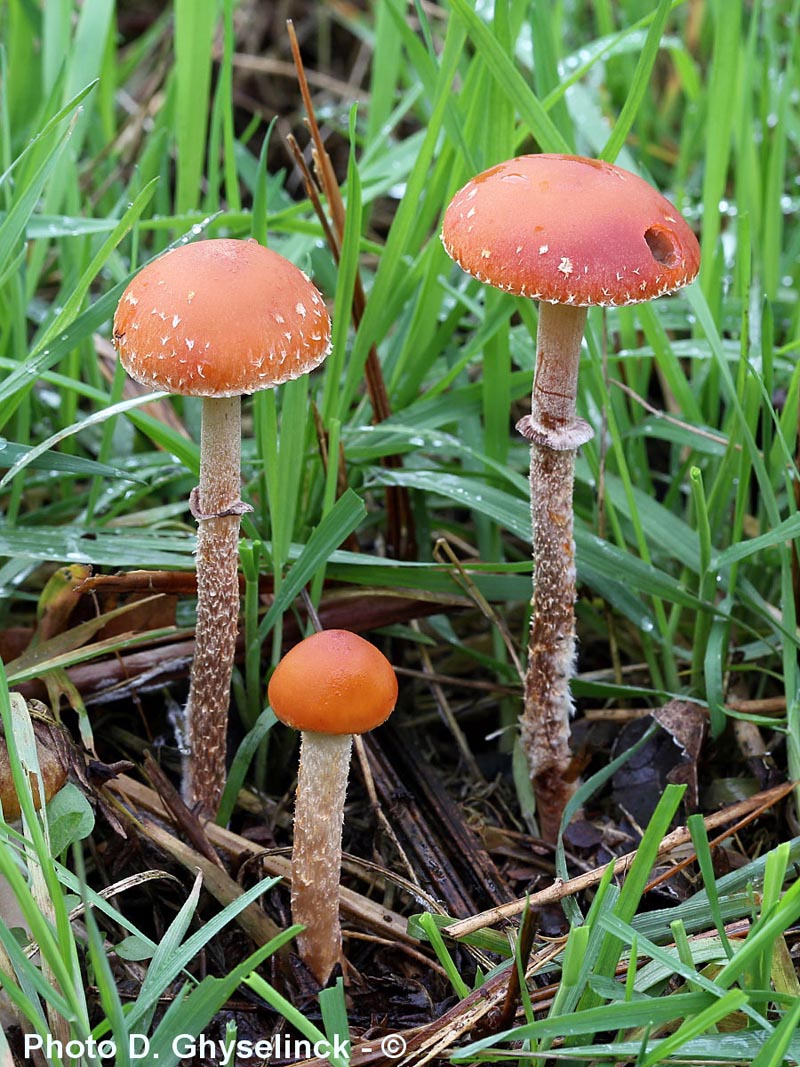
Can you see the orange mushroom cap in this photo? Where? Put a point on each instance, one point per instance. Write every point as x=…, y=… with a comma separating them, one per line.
x=570, y=230
x=333, y=682
x=220, y=318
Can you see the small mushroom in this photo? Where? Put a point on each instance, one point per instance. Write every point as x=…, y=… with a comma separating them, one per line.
x=217, y=319
x=569, y=232
x=332, y=685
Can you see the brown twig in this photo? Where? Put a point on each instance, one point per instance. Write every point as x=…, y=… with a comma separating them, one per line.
x=754, y=806
x=443, y=551
x=447, y=854
x=186, y=821
x=446, y=711
x=313, y=193
x=527, y=935
x=281, y=69
x=729, y=831
x=717, y=439
x=371, y=913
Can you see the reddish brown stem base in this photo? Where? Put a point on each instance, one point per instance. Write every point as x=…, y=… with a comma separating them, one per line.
x=555, y=433
x=551, y=650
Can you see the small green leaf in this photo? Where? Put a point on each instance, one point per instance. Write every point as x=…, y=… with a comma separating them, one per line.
x=70, y=818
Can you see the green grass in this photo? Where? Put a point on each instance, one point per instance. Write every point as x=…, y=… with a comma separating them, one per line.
x=112, y=150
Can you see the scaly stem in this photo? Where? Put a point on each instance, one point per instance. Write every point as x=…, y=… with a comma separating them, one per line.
x=555, y=433
x=317, y=851
x=217, y=507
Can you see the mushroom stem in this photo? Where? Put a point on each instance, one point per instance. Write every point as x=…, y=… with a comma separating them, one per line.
x=555, y=433
x=317, y=851
x=558, y=350
x=217, y=507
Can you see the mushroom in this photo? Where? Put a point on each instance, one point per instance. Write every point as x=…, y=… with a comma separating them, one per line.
x=332, y=685
x=569, y=232
x=217, y=319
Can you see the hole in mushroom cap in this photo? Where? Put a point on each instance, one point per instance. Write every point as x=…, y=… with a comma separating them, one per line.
x=661, y=247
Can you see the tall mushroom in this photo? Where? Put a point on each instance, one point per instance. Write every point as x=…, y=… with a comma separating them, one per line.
x=217, y=319
x=569, y=232
x=332, y=685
